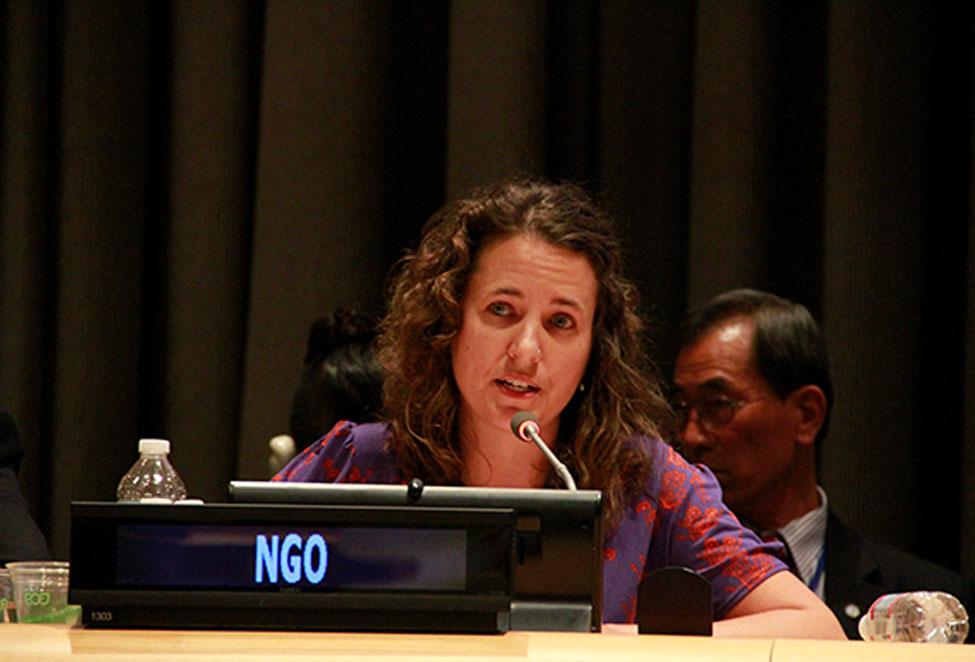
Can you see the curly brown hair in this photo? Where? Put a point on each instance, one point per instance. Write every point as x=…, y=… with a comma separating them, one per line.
x=420, y=395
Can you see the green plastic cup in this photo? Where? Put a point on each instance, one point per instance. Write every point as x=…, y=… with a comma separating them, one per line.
x=41, y=592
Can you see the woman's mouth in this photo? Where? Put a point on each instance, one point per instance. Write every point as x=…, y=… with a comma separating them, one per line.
x=516, y=387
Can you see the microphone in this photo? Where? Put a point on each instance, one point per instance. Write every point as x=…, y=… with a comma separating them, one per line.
x=525, y=426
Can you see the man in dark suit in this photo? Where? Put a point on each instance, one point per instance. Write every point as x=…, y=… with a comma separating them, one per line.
x=20, y=539
x=753, y=396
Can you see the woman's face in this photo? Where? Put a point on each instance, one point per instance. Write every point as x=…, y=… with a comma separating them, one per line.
x=525, y=335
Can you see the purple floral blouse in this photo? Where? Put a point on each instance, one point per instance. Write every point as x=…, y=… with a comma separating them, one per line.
x=679, y=519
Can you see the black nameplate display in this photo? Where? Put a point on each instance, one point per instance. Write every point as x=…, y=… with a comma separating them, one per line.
x=558, y=574
x=292, y=567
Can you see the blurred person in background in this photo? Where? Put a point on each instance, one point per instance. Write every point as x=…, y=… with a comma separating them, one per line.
x=341, y=380
x=753, y=397
x=20, y=539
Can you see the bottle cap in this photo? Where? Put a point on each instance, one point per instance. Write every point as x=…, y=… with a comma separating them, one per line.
x=154, y=446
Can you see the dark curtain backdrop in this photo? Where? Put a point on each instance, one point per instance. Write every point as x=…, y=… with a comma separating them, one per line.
x=185, y=186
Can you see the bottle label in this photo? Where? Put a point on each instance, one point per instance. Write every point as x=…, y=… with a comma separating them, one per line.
x=884, y=603
x=879, y=616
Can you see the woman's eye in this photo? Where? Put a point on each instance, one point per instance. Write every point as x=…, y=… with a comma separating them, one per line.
x=562, y=322
x=500, y=308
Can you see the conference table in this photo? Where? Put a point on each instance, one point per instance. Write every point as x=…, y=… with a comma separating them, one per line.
x=58, y=642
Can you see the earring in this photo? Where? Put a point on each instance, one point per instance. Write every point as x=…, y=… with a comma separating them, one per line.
x=582, y=387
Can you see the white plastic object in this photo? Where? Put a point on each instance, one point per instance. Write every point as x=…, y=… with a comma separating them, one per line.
x=918, y=616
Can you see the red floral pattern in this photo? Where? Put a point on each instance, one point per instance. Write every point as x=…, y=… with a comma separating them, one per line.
x=648, y=511
x=697, y=523
x=673, y=489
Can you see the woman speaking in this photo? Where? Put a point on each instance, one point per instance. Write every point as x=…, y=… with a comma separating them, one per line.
x=515, y=300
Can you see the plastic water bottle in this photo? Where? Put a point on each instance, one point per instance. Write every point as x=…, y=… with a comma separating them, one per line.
x=152, y=478
x=920, y=616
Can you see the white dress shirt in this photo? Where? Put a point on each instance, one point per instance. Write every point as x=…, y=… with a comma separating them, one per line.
x=806, y=538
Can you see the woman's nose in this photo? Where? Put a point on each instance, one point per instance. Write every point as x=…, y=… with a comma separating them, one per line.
x=525, y=348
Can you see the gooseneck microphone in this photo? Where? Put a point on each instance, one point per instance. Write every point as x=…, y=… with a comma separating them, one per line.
x=525, y=426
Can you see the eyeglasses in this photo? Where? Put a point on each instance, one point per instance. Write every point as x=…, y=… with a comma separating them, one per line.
x=713, y=411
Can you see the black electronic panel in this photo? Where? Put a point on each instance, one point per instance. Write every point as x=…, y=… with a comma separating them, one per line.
x=292, y=567
x=558, y=574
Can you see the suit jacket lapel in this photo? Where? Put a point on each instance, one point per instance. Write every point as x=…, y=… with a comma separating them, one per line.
x=852, y=575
